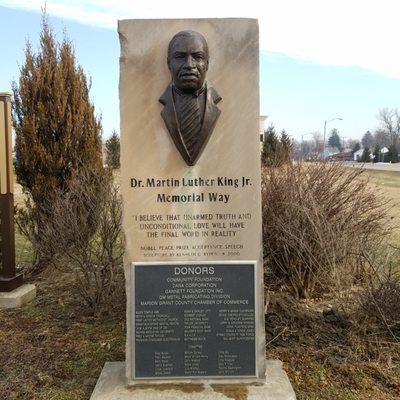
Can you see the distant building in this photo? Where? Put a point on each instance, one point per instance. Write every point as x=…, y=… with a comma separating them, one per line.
x=342, y=156
x=325, y=154
x=357, y=155
x=262, y=128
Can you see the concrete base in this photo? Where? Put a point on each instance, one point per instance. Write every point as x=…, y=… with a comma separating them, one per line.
x=111, y=386
x=18, y=297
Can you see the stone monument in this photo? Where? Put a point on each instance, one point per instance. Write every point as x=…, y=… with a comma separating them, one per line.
x=13, y=292
x=190, y=179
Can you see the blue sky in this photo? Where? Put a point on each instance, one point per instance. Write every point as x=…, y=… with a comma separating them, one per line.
x=302, y=82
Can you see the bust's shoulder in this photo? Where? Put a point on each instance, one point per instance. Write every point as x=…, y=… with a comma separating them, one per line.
x=213, y=94
x=166, y=96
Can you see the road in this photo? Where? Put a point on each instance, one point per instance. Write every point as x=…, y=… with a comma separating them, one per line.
x=376, y=167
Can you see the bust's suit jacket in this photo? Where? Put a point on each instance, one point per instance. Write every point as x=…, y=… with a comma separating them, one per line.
x=211, y=114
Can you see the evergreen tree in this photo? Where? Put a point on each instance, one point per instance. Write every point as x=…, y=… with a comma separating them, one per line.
x=113, y=151
x=334, y=139
x=285, y=147
x=269, y=146
x=366, y=155
x=56, y=130
x=392, y=154
x=377, y=154
x=286, y=141
x=276, y=150
x=368, y=140
x=356, y=147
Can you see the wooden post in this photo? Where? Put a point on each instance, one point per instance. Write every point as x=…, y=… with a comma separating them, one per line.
x=9, y=280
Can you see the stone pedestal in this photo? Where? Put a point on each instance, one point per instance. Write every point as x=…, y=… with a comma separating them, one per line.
x=18, y=297
x=111, y=386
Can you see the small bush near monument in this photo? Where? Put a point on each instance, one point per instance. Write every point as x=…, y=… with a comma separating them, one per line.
x=87, y=241
x=318, y=221
x=379, y=300
x=56, y=130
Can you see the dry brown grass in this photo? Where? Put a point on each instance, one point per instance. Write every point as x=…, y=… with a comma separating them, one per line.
x=329, y=351
x=387, y=185
x=50, y=349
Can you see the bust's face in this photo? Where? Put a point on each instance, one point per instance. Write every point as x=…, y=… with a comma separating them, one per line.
x=188, y=63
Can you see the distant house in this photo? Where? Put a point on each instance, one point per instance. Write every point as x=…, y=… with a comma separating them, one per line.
x=342, y=156
x=325, y=154
x=262, y=122
x=358, y=154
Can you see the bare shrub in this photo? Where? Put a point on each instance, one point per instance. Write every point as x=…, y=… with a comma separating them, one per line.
x=379, y=302
x=29, y=219
x=33, y=220
x=318, y=222
x=85, y=236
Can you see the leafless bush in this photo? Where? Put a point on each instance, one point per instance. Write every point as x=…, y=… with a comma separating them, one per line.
x=34, y=219
x=379, y=303
x=30, y=219
x=84, y=234
x=318, y=222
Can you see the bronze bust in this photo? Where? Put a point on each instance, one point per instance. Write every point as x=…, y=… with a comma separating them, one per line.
x=190, y=103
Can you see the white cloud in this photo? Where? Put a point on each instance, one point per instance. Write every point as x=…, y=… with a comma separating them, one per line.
x=341, y=32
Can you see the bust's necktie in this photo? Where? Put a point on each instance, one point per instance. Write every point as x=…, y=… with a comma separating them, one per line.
x=190, y=122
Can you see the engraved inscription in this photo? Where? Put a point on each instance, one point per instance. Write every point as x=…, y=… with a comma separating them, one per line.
x=195, y=320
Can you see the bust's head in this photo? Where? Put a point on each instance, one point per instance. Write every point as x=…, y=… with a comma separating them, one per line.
x=188, y=60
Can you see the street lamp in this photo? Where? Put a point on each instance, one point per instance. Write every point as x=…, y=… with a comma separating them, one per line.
x=327, y=122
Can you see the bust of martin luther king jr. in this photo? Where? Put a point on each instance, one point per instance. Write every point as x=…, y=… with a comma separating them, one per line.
x=190, y=103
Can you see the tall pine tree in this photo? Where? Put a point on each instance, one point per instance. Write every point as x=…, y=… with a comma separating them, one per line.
x=55, y=125
x=376, y=154
x=269, y=146
x=56, y=130
x=276, y=150
x=366, y=155
x=392, y=154
x=334, y=139
x=286, y=147
x=286, y=141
